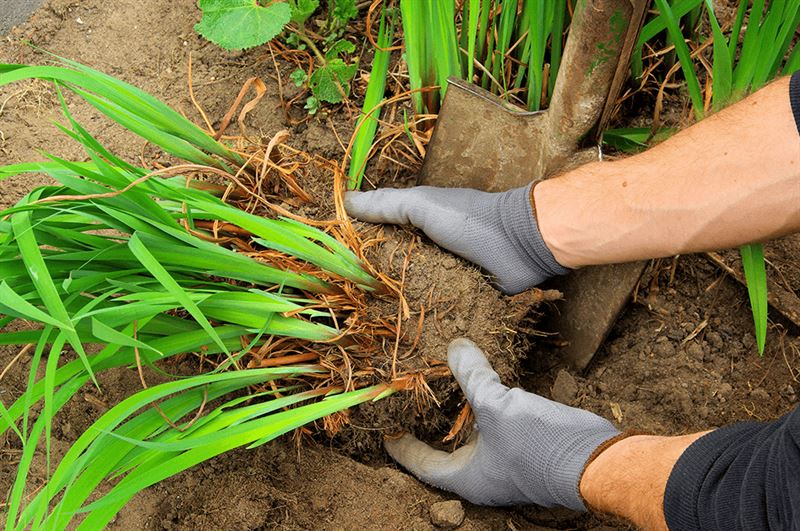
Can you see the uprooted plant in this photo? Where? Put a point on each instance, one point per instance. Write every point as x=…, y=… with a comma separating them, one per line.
x=150, y=264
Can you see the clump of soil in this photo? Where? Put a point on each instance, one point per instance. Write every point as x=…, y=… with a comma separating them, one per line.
x=447, y=298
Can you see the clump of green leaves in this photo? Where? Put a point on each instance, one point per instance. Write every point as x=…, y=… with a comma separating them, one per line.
x=239, y=24
x=117, y=256
x=331, y=81
x=501, y=45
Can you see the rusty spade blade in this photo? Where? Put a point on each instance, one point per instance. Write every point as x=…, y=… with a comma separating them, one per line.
x=482, y=142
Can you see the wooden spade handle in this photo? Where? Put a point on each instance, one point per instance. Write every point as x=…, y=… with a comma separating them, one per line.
x=594, y=66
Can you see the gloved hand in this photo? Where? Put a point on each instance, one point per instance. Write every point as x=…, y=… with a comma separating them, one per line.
x=528, y=449
x=496, y=231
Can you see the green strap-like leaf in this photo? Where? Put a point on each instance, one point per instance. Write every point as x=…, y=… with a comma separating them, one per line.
x=722, y=70
x=251, y=433
x=32, y=257
x=684, y=56
x=10, y=302
x=162, y=275
x=755, y=274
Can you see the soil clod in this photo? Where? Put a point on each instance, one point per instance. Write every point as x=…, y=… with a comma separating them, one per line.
x=447, y=514
x=565, y=389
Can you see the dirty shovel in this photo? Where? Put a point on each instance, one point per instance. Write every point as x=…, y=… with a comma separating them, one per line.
x=483, y=142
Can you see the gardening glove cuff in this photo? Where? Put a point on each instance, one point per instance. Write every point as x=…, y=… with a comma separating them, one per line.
x=528, y=449
x=496, y=231
x=520, y=259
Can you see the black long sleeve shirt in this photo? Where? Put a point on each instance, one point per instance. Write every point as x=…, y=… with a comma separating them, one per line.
x=743, y=476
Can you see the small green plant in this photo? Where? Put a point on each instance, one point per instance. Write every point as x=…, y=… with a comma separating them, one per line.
x=331, y=80
x=123, y=257
x=240, y=24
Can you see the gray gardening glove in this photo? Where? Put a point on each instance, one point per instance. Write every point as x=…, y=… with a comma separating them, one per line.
x=496, y=231
x=528, y=449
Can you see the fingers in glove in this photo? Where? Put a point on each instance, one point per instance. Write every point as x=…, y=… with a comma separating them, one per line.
x=442, y=469
x=385, y=205
x=481, y=385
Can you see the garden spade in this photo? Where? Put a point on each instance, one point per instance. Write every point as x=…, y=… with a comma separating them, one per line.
x=481, y=141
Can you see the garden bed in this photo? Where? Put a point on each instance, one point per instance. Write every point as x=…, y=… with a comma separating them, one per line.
x=682, y=358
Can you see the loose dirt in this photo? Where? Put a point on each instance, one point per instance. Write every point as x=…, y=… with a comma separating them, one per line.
x=682, y=358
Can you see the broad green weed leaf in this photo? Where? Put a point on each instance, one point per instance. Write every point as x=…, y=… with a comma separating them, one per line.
x=240, y=24
x=331, y=82
x=312, y=105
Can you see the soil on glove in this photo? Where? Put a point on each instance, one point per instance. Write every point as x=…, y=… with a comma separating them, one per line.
x=681, y=358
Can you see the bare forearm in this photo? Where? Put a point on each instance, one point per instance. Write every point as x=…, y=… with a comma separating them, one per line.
x=629, y=478
x=731, y=179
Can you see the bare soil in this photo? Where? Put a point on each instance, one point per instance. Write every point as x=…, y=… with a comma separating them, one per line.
x=682, y=357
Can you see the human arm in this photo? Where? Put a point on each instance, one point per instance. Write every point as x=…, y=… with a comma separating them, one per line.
x=532, y=450
x=628, y=479
x=728, y=180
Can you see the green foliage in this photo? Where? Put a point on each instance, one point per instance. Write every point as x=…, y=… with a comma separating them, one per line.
x=503, y=46
x=302, y=10
x=112, y=255
x=634, y=139
x=431, y=47
x=140, y=450
x=298, y=77
x=627, y=139
x=331, y=81
x=132, y=108
x=367, y=124
x=238, y=24
x=344, y=11
x=680, y=9
x=312, y=105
